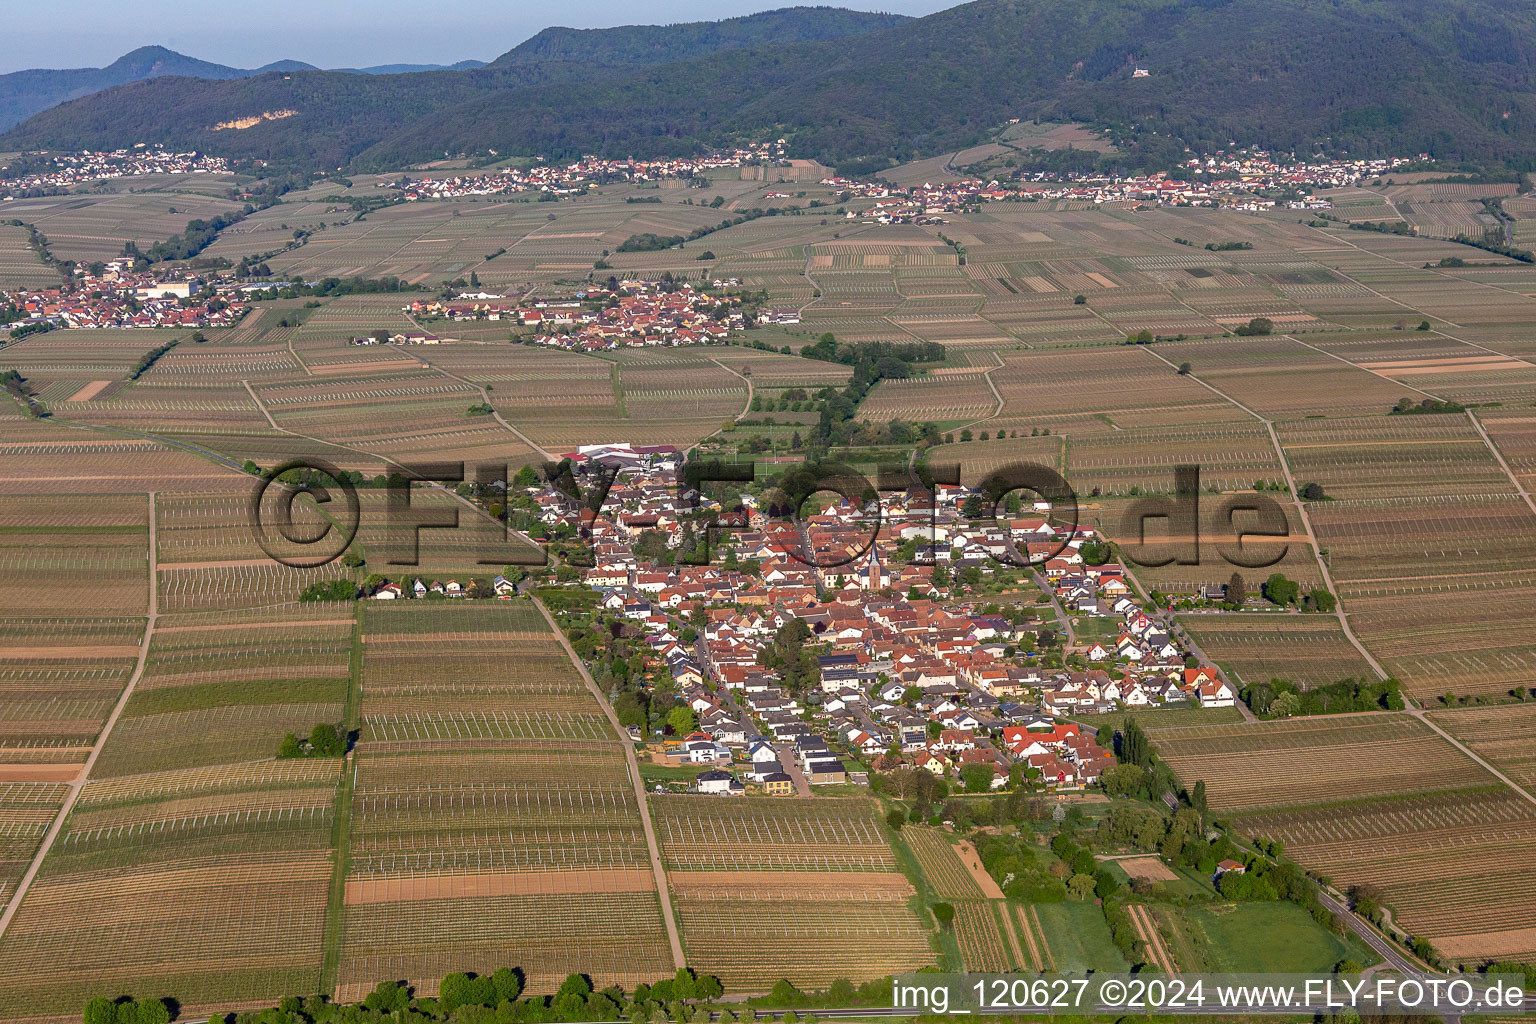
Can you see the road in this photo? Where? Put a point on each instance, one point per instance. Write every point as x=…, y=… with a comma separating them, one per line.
x=1369, y=935
x=662, y=889
x=1062, y=619
x=792, y=768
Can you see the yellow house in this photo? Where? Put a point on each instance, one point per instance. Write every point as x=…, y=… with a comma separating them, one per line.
x=778, y=784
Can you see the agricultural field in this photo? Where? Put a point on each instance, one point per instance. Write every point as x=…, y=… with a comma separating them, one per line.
x=489, y=791
x=20, y=267
x=1249, y=938
x=89, y=228
x=1254, y=648
x=1380, y=799
x=486, y=814
x=814, y=880
x=190, y=838
x=1501, y=735
x=1320, y=759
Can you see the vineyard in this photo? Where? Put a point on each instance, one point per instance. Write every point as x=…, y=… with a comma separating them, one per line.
x=1449, y=864
x=485, y=815
x=770, y=888
x=492, y=818
x=1501, y=735
x=946, y=875
x=1310, y=761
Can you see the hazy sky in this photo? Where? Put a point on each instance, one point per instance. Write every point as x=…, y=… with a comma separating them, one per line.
x=335, y=33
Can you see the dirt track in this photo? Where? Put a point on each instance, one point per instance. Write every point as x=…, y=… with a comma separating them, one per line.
x=512, y=883
x=72, y=651
x=972, y=861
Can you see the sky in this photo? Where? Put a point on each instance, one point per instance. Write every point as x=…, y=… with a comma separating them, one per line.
x=335, y=33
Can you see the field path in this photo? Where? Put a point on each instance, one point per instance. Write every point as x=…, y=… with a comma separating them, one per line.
x=1026, y=931
x=750, y=392
x=663, y=891
x=1301, y=510
x=1146, y=926
x=486, y=397
x=1357, y=366
x=1011, y=933
x=1471, y=415
x=260, y=405
x=78, y=784
x=1046, y=961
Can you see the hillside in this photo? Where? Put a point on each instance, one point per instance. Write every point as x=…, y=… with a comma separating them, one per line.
x=24, y=93
x=665, y=44
x=1455, y=78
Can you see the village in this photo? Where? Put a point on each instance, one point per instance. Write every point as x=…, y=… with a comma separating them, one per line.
x=573, y=178
x=115, y=294
x=1232, y=182
x=64, y=170
x=629, y=312
x=810, y=654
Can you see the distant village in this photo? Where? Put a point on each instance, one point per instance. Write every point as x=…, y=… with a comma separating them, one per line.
x=64, y=170
x=911, y=663
x=620, y=313
x=1226, y=181
x=569, y=179
x=114, y=294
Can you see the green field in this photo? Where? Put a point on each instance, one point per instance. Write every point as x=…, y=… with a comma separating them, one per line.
x=1255, y=938
x=1079, y=938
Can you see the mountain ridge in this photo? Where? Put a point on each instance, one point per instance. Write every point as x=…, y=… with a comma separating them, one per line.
x=1453, y=78
x=33, y=90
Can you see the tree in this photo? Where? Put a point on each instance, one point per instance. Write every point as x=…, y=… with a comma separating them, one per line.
x=152, y=1011
x=508, y=984
x=1197, y=797
x=453, y=992
x=326, y=741
x=972, y=507
x=681, y=720
x=1123, y=780
x=977, y=777
x=895, y=818
x=944, y=913
x=1185, y=369
x=1323, y=600
x=1135, y=748
x=1312, y=491
x=1285, y=704
x=1081, y=886
x=1279, y=590
x=100, y=1011
x=1237, y=589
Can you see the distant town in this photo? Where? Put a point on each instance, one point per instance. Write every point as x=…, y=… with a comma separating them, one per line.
x=1233, y=182
x=622, y=313
x=569, y=179
x=30, y=175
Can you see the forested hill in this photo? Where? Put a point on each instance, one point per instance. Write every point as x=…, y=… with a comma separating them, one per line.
x=666, y=44
x=1454, y=78
x=24, y=93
